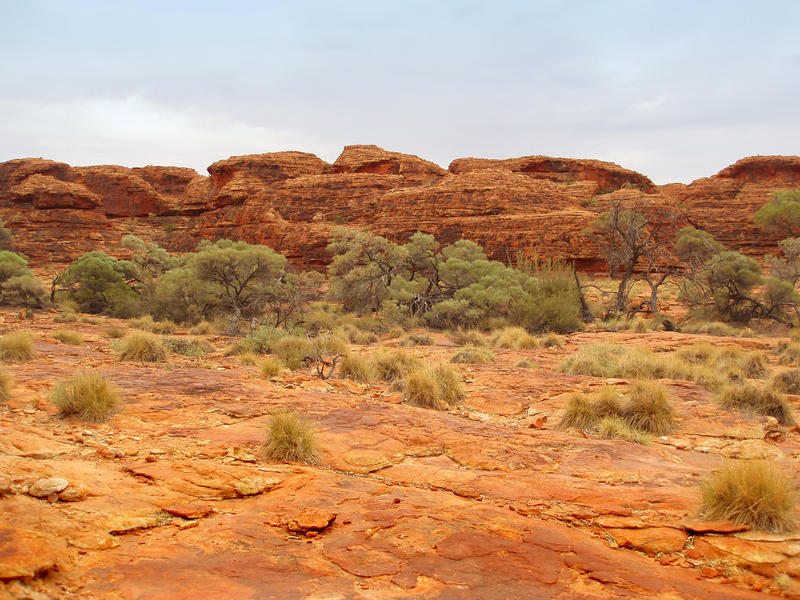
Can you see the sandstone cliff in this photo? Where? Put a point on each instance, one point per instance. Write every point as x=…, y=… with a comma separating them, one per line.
x=291, y=200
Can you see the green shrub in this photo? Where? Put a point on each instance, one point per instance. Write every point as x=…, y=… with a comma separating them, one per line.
x=270, y=367
x=752, y=492
x=16, y=347
x=290, y=438
x=787, y=381
x=432, y=387
x=513, y=338
x=294, y=350
x=68, y=337
x=356, y=367
x=758, y=399
x=24, y=291
x=5, y=385
x=88, y=395
x=185, y=346
x=472, y=355
x=649, y=408
x=143, y=347
x=392, y=365
x=261, y=340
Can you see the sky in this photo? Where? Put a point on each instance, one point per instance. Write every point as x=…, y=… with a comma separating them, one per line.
x=676, y=90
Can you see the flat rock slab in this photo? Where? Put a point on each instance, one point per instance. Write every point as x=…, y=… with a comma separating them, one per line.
x=714, y=527
x=311, y=519
x=50, y=485
x=24, y=554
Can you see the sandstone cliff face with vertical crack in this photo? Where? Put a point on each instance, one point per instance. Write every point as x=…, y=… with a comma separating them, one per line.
x=291, y=200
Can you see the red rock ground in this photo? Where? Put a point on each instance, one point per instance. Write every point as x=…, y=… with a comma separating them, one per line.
x=172, y=498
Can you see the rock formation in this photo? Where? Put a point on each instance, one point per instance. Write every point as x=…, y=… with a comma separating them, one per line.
x=291, y=200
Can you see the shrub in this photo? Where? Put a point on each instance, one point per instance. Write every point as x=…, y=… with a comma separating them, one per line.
x=791, y=355
x=114, y=332
x=293, y=349
x=609, y=360
x=196, y=347
x=65, y=317
x=513, y=338
x=649, y=408
x=5, y=385
x=616, y=428
x=418, y=339
x=758, y=399
x=68, y=337
x=752, y=492
x=433, y=387
x=24, y=291
x=473, y=355
x=392, y=365
x=202, y=328
x=88, y=395
x=143, y=347
x=270, y=367
x=16, y=347
x=356, y=367
x=552, y=340
x=290, y=438
x=787, y=381
x=467, y=337
x=579, y=412
x=261, y=340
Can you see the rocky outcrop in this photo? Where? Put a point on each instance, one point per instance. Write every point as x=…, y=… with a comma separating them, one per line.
x=291, y=201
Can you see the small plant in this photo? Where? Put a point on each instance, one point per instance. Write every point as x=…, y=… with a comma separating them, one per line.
x=552, y=340
x=270, y=367
x=525, y=364
x=294, y=350
x=202, y=328
x=5, y=385
x=514, y=338
x=248, y=358
x=787, y=381
x=357, y=368
x=65, y=317
x=143, y=347
x=261, y=340
x=433, y=387
x=16, y=347
x=290, y=438
x=392, y=365
x=185, y=346
x=616, y=428
x=752, y=492
x=754, y=365
x=68, y=337
x=791, y=355
x=649, y=408
x=579, y=413
x=467, y=337
x=761, y=400
x=88, y=395
x=473, y=355
x=114, y=332
x=418, y=339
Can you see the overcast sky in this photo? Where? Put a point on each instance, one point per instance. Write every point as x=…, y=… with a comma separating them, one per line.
x=675, y=90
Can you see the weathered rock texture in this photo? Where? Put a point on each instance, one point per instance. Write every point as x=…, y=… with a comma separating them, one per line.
x=291, y=200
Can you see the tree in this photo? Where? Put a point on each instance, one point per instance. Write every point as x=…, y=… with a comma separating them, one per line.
x=242, y=277
x=781, y=215
x=97, y=282
x=149, y=262
x=633, y=235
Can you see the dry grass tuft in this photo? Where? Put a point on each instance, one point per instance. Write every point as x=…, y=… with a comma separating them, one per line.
x=357, y=368
x=290, y=438
x=467, y=337
x=270, y=367
x=513, y=338
x=649, y=408
x=67, y=336
x=752, y=492
x=88, y=395
x=16, y=347
x=294, y=350
x=433, y=387
x=552, y=340
x=392, y=365
x=143, y=347
x=787, y=381
x=473, y=355
x=6, y=384
x=761, y=400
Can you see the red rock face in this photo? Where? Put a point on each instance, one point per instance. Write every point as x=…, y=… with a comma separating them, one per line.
x=291, y=200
